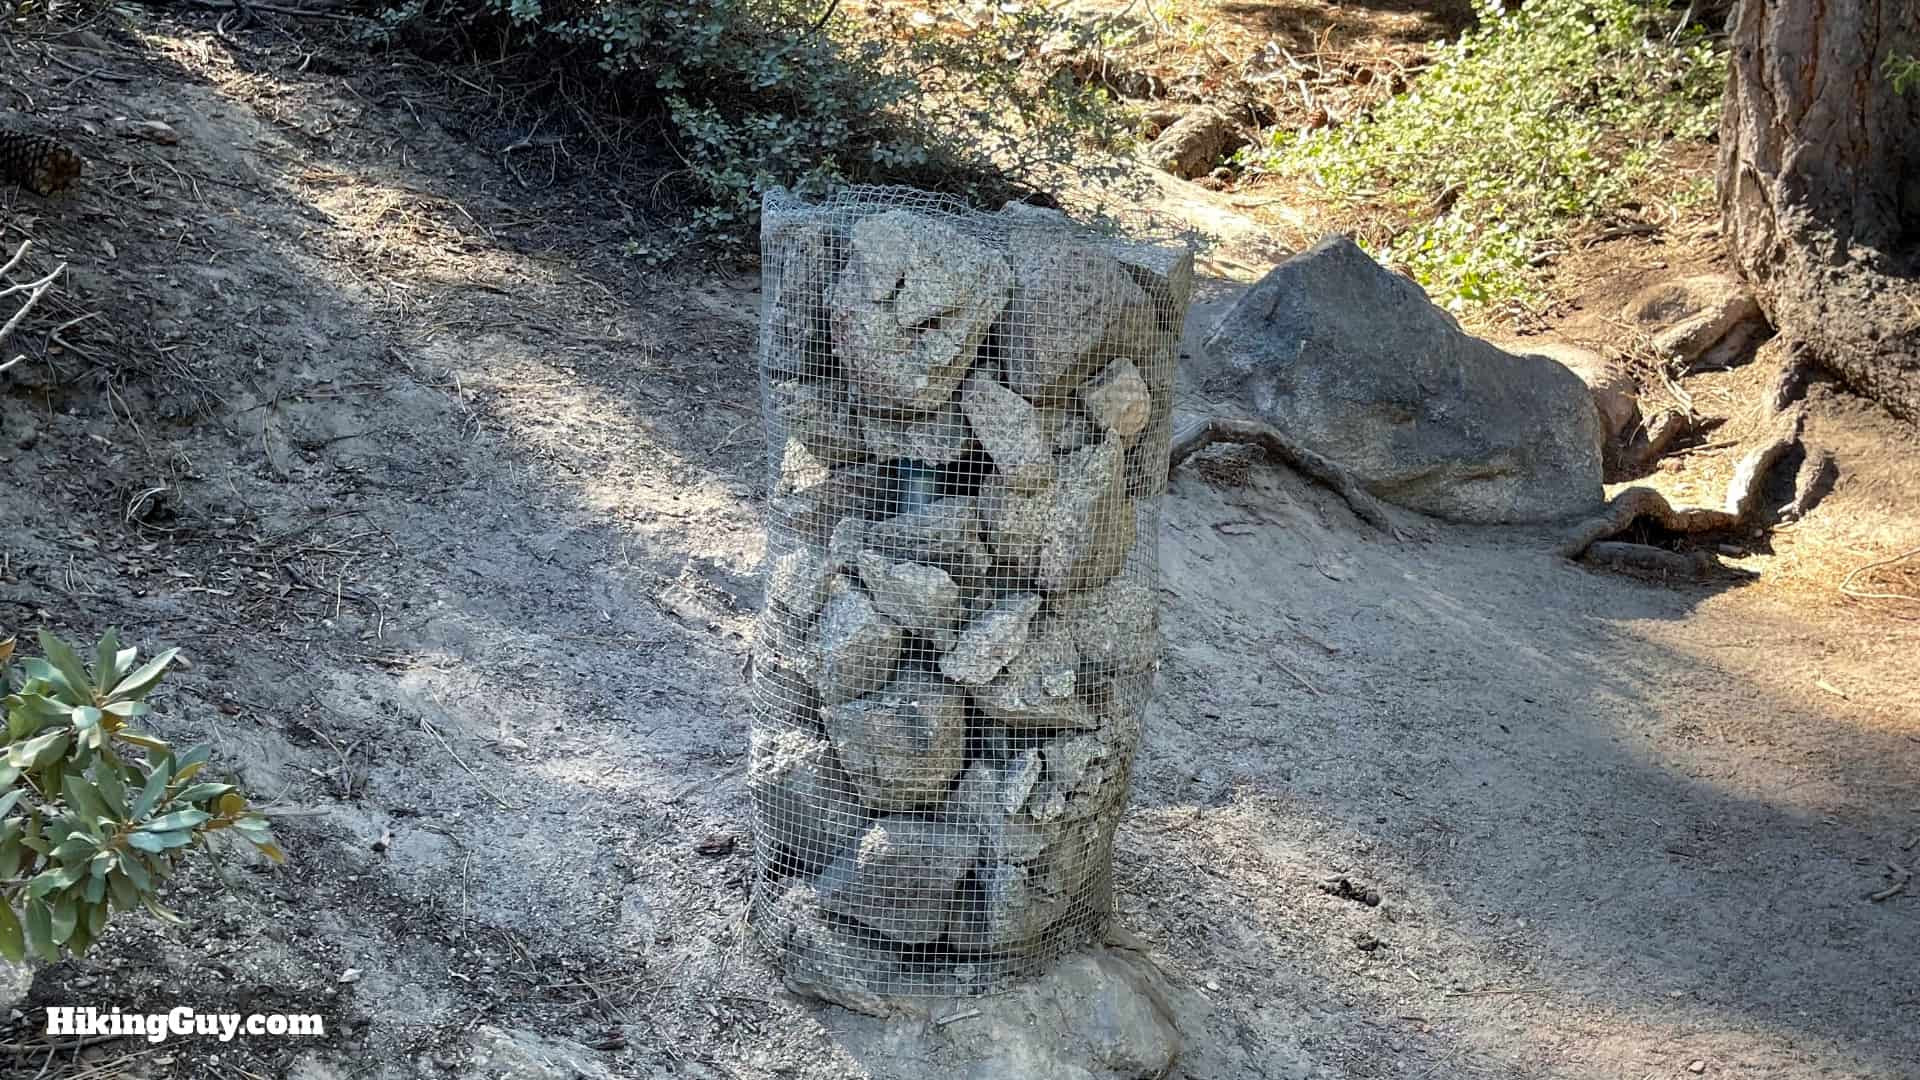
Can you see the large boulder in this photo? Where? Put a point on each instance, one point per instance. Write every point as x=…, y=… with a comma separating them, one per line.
x=1355, y=363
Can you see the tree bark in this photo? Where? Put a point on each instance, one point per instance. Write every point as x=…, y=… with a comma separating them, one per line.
x=1820, y=184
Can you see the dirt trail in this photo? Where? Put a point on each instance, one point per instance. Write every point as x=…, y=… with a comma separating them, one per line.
x=459, y=526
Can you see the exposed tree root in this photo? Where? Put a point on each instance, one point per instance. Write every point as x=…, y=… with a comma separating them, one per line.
x=1743, y=496
x=1196, y=437
x=1657, y=560
x=1640, y=458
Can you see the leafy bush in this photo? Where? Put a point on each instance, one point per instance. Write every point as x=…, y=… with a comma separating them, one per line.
x=754, y=93
x=1537, y=119
x=93, y=814
x=1903, y=71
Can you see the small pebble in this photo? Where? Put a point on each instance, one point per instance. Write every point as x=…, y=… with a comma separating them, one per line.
x=1696, y=1066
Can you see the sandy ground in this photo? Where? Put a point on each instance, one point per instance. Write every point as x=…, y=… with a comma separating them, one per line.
x=457, y=521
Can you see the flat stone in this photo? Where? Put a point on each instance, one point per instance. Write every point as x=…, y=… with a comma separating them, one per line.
x=802, y=800
x=1038, y=687
x=1116, y=627
x=811, y=254
x=1003, y=910
x=991, y=640
x=909, y=311
x=900, y=879
x=1069, y=300
x=821, y=418
x=797, y=583
x=858, y=648
x=1091, y=526
x=851, y=969
x=1688, y=316
x=1010, y=427
x=1118, y=399
x=936, y=437
x=903, y=745
x=944, y=533
x=924, y=600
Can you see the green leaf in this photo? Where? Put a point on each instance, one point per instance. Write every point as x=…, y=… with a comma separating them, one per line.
x=54, y=880
x=13, y=943
x=146, y=841
x=10, y=851
x=66, y=914
x=138, y=684
x=160, y=912
x=106, y=655
x=8, y=774
x=124, y=894
x=73, y=847
x=61, y=655
x=85, y=717
x=136, y=871
x=127, y=710
x=202, y=792
x=39, y=749
x=156, y=786
x=84, y=798
x=96, y=919
x=82, y=938
x=8, y=800
x=39, y=927
x=95, y=890
x=112, y=786
x=179, y=819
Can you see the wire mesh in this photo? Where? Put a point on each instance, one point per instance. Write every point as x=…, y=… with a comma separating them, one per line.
x=968, y=418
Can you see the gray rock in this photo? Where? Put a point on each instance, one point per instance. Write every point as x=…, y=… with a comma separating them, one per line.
x=1038, y=688
x=1090, y=527
x=903, y=745
x=842, y=966
x=1116, y=628
x=1010, y=427
x=1005, y=912
x=1078, y=763
x=858, y=647
x=1118, y=399
x=1104, y=1014
x=924, y=600
x=802, y=799
x=911, y=307
x=515, y=1054
x=1192, y=145
x=991, y=640
x=1067, y=426
x=900, y=880
x=1614, y=393
x=936, y=437
x=820, y=417
x=1071, y=302
x=1689, y=316
x=1352, y=361
x=992, y=799
x=1015, y=523
x=810, y=512
x=944, y=533
x=1166, y=273
x=811, y=255
x=16, y=981
x=797, y=583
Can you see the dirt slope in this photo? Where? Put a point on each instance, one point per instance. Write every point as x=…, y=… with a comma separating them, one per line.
x=456, y=518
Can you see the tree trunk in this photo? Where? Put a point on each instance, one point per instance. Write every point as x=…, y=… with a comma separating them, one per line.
x=1820, y=184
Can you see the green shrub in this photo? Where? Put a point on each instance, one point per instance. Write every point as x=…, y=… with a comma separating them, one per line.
x=1903, y=71
x=1537, y=119
x=93, y=814
x=757, y=93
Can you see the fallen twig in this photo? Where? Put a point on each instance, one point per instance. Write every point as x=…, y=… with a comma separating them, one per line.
x=1901, y=876
x=1314, y=467
x=1846, y=583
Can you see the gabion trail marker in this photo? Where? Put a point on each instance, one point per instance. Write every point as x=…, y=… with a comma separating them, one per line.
x=968, y=417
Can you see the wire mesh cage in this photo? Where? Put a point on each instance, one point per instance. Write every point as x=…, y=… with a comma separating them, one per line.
x=968, y=417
